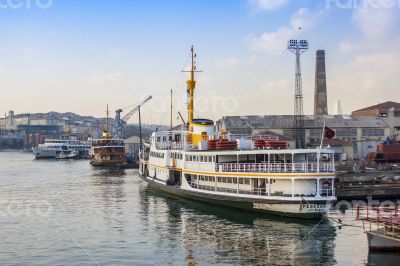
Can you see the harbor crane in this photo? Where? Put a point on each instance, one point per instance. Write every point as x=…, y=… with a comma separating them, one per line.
x=122, y=122
x=183, y=120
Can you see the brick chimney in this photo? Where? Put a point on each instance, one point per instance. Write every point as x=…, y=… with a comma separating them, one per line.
x=320, y=94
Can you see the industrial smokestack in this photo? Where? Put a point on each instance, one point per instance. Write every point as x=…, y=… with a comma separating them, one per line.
x=320, y=94
x=337, y=108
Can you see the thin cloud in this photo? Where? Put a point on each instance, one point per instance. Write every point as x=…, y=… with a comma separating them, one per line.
x=363, y=75
x=274, y=42
x=377, y=25
x=267, y=5
x=276, y=85
x=226, y=62
x=346, y=46
x=376, y=21
x=105, y=78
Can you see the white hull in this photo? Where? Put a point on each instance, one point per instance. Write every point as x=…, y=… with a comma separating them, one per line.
x=43, y=153
x=51, y=148
x=299, y=207
x=378, y=241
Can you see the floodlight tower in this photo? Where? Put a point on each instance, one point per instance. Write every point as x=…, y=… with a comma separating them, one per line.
x=298, y=47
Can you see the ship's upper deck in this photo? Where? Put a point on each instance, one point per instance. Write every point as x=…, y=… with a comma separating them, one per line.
x=179, y=140
x=108, y=142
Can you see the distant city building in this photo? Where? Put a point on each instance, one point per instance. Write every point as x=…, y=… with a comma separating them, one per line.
x=337, y=108
x=363, y=132
x=28, y=130
x=381, y=109
x=343, y=149
x=388, y=112
x=34, y=128
x=132, y=146
x=11, y=139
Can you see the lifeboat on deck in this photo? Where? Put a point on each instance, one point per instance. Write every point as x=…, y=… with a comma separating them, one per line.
x=212, y=144
x=224, y=144
x=270, y=144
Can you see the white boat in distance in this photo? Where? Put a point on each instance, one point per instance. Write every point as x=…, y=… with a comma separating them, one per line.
x=51, y=148
x=68, y=155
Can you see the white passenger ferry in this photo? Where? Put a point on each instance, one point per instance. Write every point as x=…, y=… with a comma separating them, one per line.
x=253, y=174
x=51, y=148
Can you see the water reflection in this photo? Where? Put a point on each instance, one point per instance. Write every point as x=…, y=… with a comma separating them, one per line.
x=111, y=183
x=108, y=192
x=108, y=172
x=387, y=259
x=119, y=222
x=211, y=234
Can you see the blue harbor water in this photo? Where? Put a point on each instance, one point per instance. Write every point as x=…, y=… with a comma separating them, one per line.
x=69, y=213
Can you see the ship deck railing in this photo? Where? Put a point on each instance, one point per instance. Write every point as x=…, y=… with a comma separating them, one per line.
x=254, y=136
x=386, y=215
x=381, y=220
x=276, y=167
x=107, y=142
x=260, y=191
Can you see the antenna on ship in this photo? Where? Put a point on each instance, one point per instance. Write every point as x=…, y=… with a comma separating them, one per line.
x=69, y=132
x=191, y=84
x=170, y=122
x=107, y=134
x=107, y=120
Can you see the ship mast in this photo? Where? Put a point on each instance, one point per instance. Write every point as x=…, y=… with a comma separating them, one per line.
x=107, y=120
x=170, y=121
x=191, y=84
x=106, y=131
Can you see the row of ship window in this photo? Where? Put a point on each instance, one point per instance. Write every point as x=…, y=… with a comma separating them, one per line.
x=109, y=149
x=157, y=154
x=65, y=147
x=61, y=141
x=165, y=138
x=177, y=156
x=222, y=179
x=189, y=158
x=200, y=158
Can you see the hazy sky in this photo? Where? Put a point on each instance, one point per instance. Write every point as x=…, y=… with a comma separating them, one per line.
x=79, y=55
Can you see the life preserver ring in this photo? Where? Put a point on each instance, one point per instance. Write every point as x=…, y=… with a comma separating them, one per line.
x=326, y=182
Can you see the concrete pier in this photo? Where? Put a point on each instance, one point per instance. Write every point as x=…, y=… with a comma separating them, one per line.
x=377, y=184
x=362, y=191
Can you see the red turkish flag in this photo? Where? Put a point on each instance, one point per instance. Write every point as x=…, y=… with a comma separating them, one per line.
x=329, y=133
